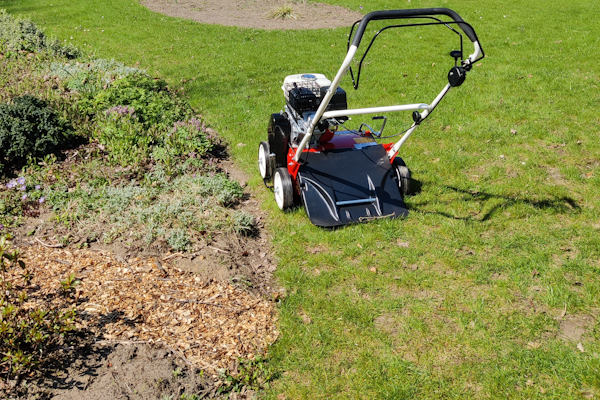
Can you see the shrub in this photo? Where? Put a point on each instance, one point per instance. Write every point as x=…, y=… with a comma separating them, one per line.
x=28, y=333
x=29, y=128
x=23, y=35
x=17, y=34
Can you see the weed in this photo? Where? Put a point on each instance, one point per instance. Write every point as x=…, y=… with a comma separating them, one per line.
x=283, y=12
x=154, y=106
x=178, y=240
x=252, y=374
x=185, y=138
x=244, y=224
x=68, y=284
x=125, y=138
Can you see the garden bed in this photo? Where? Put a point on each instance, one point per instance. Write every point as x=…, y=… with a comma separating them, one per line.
x=139, y=255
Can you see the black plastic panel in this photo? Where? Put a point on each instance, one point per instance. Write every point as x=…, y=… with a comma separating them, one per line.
x=349, y=186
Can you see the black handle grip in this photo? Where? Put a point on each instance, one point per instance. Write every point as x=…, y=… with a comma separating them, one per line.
x=398, y=14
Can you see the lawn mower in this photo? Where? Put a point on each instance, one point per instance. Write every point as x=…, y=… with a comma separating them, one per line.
x=344, y=175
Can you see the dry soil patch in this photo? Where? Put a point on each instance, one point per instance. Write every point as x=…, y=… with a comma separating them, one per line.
x=257, y=13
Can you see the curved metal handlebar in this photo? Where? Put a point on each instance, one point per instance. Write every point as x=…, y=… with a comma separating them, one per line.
x=398, y=14
x=384, y=15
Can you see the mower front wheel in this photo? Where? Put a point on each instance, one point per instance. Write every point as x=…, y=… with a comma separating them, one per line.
x=404, y=177
x=283, y=189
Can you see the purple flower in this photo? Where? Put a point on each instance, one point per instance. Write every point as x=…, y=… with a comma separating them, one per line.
x=38, y=187
x=121, y=110
x=42, y=200
x=1, y=227
x=193, y=123
x=11, y=184
x=24, y=197
x=22, y=188
x=21, y=180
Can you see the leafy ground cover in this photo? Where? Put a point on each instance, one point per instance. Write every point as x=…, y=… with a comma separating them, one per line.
x=489, y=288
x=148, y=172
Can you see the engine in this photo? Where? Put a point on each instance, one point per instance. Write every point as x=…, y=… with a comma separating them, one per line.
x=303, y=94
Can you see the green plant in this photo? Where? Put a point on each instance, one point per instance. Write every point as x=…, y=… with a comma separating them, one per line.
x=154, y=105
x=226, y=191
x=253, y=374
x=27, y=334
x=244, y=224
x=91, y=76
x=18, y=34
x=283, y=12
x=126, y=139
x=23, y=35
x=184, y=139
x=29, y=128
x=178, y=240
x=68, y=284
x=19, y=198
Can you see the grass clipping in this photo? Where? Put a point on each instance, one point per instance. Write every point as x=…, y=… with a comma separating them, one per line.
x=211, y=325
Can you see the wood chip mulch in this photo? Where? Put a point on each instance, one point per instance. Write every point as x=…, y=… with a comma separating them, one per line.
x=210, y=324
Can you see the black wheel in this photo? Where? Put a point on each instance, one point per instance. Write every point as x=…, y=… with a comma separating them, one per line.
x=280, y=146
x=404, y=177
x=265, y=164
x=279, y=131
x=283, y=189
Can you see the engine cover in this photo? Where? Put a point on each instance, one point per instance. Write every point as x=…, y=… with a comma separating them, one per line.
x=302, y=99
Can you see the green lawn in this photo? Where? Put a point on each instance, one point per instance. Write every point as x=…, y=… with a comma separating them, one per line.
x=474, y=292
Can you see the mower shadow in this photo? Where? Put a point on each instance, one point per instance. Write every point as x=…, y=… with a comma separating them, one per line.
x=561, y=205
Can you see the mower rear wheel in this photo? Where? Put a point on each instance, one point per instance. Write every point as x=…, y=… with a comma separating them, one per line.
x=404, y=177
x=283, y=189
x=265, y=165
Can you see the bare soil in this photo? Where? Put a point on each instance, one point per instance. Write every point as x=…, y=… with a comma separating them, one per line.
x=122, y=371
x=261, y=14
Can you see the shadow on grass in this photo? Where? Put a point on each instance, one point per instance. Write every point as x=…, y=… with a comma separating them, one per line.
x=562, y=205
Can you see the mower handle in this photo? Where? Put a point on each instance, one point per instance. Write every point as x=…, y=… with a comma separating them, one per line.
x=457, y=72
x=417, y=12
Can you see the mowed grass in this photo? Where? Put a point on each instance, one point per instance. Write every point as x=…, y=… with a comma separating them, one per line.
x=489, y=288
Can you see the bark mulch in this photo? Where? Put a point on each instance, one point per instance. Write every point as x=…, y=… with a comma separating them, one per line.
x=208, y=324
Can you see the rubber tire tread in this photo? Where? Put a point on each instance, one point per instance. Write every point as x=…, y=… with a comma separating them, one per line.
x=406, y=182
x=287, y=187
x=269, y=166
